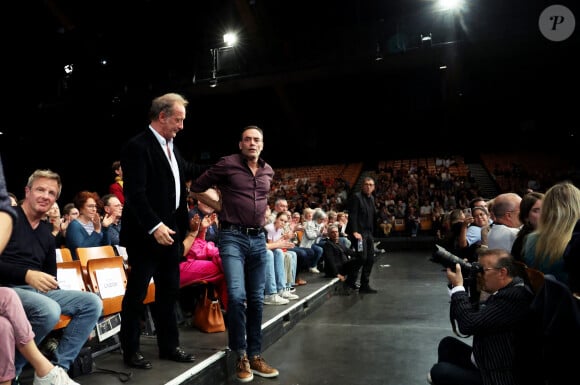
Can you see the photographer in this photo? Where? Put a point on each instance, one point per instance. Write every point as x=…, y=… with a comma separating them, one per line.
x=498, y=327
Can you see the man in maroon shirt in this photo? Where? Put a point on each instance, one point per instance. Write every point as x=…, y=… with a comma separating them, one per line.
x=244, y=182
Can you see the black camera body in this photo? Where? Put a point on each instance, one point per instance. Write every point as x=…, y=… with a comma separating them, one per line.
x=468, y=270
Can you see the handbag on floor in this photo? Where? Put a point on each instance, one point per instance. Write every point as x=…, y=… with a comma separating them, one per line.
x=208, y=316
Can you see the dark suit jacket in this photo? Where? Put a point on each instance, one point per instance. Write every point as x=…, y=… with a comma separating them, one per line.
x=149, y=190
x=335, y=256
x=359, y=215
x=495, y=328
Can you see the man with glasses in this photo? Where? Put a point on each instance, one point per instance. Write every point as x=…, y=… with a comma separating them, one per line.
x=360, y=229
x=498, y=326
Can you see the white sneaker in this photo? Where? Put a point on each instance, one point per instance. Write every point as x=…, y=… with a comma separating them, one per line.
x=314, y=270
x=287, y=294
x=275, y=299
x=57, y=376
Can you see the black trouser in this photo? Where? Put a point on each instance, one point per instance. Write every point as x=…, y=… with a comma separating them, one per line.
x=454, y=366
x=162, y=263
x=367, y=259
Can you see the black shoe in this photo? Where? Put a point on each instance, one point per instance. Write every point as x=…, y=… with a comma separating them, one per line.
x=137, y=361
x=177, y=355
x=352, y=286
x=367, y=289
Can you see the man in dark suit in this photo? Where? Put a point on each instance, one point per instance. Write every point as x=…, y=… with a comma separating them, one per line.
x=499, y=354
x=338, y=260
x=362, y=216
x=154, y=224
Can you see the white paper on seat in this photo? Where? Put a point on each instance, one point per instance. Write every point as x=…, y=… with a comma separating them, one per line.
x=110, y=282
x=58, y=255
x=68, y=279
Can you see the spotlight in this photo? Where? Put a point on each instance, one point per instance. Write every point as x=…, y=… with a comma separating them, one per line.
x=426, y=40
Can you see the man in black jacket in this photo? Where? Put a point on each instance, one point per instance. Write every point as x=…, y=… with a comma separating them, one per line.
x=338, y=260
x=154, y=224
x=360, y=228
x=499, y=352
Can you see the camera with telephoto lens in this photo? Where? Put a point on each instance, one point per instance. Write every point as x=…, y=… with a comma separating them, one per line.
x=468, y=270
x=448, y=260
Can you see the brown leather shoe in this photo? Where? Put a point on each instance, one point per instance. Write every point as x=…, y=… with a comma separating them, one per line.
x=300, y=282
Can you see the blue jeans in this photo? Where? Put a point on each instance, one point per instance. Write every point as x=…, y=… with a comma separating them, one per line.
x=275, y=273
x=290, y=258
x=244, y=262
x=43, y=311
x=318, y=251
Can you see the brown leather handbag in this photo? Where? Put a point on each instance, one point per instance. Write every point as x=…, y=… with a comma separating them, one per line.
x=208, y=316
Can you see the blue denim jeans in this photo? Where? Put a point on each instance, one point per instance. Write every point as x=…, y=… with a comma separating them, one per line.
x=43, y=311
x=275, y=273
x=244, y=262
x=290, y=265
x=318, y=251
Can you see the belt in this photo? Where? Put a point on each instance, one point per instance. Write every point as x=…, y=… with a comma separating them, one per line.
x=248, y=230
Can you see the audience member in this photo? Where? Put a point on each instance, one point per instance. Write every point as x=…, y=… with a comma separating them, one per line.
x=313, y=230
x=454, y=239
x=341, y=262
x=544, y=248
x=506, y=222
x=204, y=210
x=530, y=209
x=16, y=331
x=113, y=210
x=154, y=224
x=28, y=264
x=69, y=214
x=88, y=230
x=116, y=187
x=7, y=212
x=202, y=258
x=362, y=218
x=497, y=353
x=244, y=181
x=278, y=279
x=54, y=219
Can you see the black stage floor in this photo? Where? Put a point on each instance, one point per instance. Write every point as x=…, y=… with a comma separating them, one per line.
x=388, y=338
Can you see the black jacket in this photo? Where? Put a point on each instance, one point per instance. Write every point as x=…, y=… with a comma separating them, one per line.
x=495, y=328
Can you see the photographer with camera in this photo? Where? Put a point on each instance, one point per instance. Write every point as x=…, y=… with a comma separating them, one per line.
x=500, y=351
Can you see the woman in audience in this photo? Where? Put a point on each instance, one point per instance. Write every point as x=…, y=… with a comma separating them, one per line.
x=16, y=332
x=202, y=258
x=530, y=209
x=545, y=247
x=88, y=230
x=313, y=230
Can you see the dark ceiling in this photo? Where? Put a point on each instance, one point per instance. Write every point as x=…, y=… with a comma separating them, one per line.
x=304, y=71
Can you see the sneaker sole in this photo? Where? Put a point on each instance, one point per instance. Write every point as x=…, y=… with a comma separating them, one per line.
x=245, y=379
x=265, y=375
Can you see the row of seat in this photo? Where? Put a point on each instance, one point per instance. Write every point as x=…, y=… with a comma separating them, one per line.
x=100, y=270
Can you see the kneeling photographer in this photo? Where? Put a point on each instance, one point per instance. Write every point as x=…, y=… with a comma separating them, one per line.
x=500, y=351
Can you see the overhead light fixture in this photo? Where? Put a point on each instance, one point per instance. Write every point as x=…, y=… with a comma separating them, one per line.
x=426, y=40
x=230, y=40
